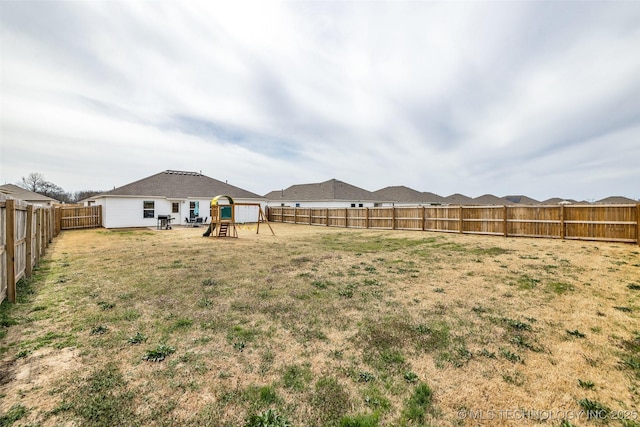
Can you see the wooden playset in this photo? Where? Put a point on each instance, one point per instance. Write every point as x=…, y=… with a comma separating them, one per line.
x=223, y=222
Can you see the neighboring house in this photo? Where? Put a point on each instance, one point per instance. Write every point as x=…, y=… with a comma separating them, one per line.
x=521, y=200
x=616, y=200
x=559, y=201
x=457, y=199
x=177, y=193
x=490, y=199
x=432, y=198
x=328, y=194
x=19, y=193
x=404, y=196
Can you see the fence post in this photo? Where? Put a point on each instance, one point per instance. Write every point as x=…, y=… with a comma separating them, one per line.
x=57, y=215
x=295, y=215
x=562, y=230
x=29, y=242
x=638, y=224
x=346, y=217
x=460, y=227
x=393, y=217
x=326, y=215
x=39, y=232
x=366, y=218
x=52, y=226
x=10, y=248
x=504, y=222
x=423, y=220
x=45, y=229
x=44, y=236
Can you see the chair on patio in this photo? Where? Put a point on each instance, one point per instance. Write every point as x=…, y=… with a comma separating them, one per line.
x=189, y=221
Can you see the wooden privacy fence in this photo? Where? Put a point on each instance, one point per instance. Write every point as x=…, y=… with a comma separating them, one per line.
x=72, y=217
x=26, y=231
x=610, y=223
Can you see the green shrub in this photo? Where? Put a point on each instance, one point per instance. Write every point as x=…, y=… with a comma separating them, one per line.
x=268, y=418
x=159, y=353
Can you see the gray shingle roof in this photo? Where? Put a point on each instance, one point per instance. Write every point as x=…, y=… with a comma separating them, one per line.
x=522, y=200
x=402, y=194
x=458, y=199
x=328, y=190
x=557, y=200
x=432, y=197
x=19, y=193
x=616, y=200
x=180, y=184
x=490, y=199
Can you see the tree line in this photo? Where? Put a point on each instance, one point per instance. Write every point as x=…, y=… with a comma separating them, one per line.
x=36, y=182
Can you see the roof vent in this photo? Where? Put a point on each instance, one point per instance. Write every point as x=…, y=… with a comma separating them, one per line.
x=172, y=172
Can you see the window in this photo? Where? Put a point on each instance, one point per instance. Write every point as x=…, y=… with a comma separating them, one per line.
x=353, y=205
x=194, y=209
x=148, y=209
x=360, y=205
x=175, y=207
x=297, y=205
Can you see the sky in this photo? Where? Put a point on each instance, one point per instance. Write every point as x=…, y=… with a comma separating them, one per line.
x=503, y=97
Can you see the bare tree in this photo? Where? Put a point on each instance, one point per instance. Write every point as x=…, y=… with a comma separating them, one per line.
x=84, y=194
x=33, y=182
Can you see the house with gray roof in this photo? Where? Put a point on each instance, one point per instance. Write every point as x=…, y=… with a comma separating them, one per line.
x=559, y=201
x=180, y=194
x=400, y=195
x=489, y=199
x=329, y=194
x=457, y=199
x=19, y=193
x=521, y=200
x=616, y=200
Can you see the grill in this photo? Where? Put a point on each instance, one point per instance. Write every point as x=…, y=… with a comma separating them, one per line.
x=164, y=222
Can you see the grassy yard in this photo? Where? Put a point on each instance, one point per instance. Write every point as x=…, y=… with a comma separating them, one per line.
x=322, y=326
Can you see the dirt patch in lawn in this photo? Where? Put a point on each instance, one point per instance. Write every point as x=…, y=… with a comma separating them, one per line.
x=324, y=325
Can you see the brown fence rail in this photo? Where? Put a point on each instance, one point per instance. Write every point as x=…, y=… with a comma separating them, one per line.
x=610, y=223
x=26, y=231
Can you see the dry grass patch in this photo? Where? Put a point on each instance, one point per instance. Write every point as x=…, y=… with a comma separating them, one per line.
x=320, y=326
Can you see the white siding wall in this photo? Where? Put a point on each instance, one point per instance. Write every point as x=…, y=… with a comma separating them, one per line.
x=320, y=204
x=120, y=212
x=128, y=212
x=247, y=213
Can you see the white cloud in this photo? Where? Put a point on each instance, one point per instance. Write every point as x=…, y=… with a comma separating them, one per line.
x=440, y=96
